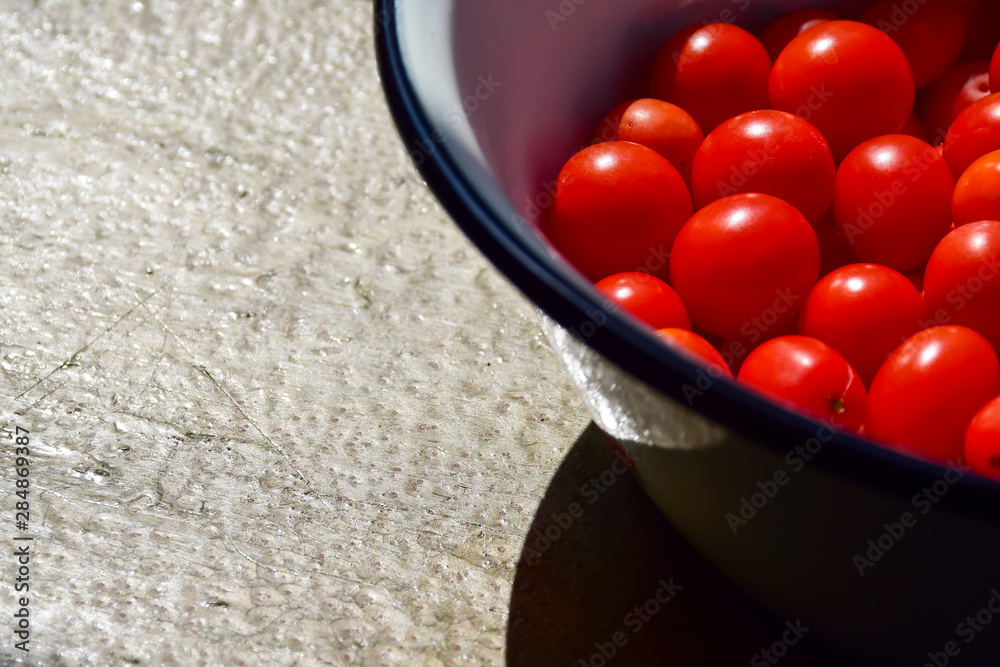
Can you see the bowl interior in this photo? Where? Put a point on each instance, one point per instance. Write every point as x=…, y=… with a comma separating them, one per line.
x=496, y=96
x=516, y=87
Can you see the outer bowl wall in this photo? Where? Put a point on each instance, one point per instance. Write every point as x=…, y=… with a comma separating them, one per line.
x=490, y=99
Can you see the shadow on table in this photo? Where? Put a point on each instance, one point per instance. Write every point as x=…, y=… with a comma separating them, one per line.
x=598, y=549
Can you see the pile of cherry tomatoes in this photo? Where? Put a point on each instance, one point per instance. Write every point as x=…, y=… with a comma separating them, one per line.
x=815, y=209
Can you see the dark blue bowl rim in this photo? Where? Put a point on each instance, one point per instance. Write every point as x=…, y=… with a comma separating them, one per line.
x=621, y=340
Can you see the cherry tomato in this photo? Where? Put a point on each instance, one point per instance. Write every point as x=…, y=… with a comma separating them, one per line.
x=962, y=280
x=744, y=260
x=982, y=441
x=848, y=79
x=893, y=201
x=977, y=193
x=697, y=347
x=713, y=71
x=925, y=394
x=618, y=207
x=736, y=349
x=952, y=94
x=811, y=375
x=647, y=298
x=664, y=127
x=995, y=70
x=982, y=26
x=973, y=134
x=864, y=312
x=772, y=152
x=779, y=32
x=610, y=125
x=931, y=35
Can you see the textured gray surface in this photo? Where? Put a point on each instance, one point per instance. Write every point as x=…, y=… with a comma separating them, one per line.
x=282, y=412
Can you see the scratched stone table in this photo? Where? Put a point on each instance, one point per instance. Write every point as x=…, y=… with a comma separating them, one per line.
x=280, y=411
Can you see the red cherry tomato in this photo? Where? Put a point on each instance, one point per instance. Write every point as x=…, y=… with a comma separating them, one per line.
x=931, y=33
x=925, y=394
x=742, y=261
x=893, y=201
x=779, y=32
x=952, y=94
x=664, y=127
x=973, y=134
x=767, y=151
x=618, y=207
x=647, y=298
x=982, y=441
x=811, y=375
x=995, y=70
x=864, y=312
x=962, y=280
x=977, y=193
x=736, y=349
x=848, y=79
x=982, y=26
x=609, y=127
x=697, y=347
x=713, y=71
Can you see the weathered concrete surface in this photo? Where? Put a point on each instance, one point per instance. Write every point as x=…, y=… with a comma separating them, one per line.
x=281, y=411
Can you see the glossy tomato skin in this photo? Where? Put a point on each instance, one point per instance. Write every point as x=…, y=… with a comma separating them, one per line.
x=744, y=261
x=766, y=151
x=925, y=394
x=779, y=32
x=977, y=193
x=893, y=201
x=962, y=280
x=697, y=347
x=664, y=127
x=811, y=375
x=713, y=71
x=618, y=207
x=848, y=79
x=982, y=441
x=932, y=37
x=647, y=298
x=950, y=95
x=973, y=134
x=864, y=312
